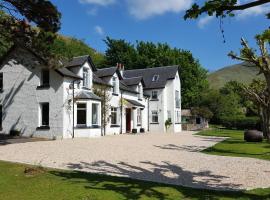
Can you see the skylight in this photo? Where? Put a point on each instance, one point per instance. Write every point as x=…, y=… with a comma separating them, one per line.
x=155, y=78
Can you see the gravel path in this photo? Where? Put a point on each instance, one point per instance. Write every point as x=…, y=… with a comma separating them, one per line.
x=166, y=158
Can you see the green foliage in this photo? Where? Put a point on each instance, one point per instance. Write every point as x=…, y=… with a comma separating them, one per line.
x=148, y=54
x=68, y=47
x=220, y=8
x=202, y=112
x=240, y=122
x=168, y=123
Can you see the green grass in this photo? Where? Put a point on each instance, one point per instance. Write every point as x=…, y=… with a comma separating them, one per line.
x=236, y=146
x=56, y=185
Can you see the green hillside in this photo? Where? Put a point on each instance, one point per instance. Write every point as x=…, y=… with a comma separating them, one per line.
x=242, y=72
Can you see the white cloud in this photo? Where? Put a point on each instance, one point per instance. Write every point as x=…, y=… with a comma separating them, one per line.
x=98, y=2
x=143, y=9
x=99, y=30
x=203, y=21
x=92, y=11
x=254, y=11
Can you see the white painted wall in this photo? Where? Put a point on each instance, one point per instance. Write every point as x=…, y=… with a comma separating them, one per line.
x=21, y=99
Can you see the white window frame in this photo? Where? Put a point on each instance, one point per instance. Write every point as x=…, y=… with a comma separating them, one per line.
x=178, y=116
x=92, y=114
x=177, y=99
x=86, y=76
x=139, y=117
x=83, y=109
x=154, y=91
x=154, y=114
x=114, y=110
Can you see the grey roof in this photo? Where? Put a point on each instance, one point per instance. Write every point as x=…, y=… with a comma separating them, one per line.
x=132, y=81
x=68, y=73
x=135, y=103
x=87, y=95
x=165, y=73
x=106, y=72
x=126, y=88
x=79, y=61
x=98, y=80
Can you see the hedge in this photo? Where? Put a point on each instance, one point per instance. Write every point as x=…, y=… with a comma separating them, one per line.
x=240, y=122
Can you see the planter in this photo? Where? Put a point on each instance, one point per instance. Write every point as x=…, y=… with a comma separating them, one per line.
x=253, y=136
x=134, y=130
x=142, y=130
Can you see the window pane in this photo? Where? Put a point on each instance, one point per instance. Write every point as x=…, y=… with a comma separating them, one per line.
x=114, y=116
x=154, y=94
x=95, y=114
x=45, y=77
x=154, y=116
x=81, y=114
x=45, y=114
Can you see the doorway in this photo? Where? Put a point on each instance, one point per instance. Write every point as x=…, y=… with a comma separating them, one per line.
x=128, y=120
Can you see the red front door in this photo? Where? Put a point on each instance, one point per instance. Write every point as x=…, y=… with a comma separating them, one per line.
x=128, y=120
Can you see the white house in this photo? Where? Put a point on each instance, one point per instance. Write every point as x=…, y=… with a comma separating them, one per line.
x=61, y=103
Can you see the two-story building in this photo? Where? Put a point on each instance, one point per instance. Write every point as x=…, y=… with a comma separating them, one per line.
x=61, y=103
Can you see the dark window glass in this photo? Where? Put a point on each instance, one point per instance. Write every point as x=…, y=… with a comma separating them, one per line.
x=81, y=114
x=114, y=116
x=198, y=120
x=154, y=94
x=45, y=77
x=45, y=114
x=1, y=81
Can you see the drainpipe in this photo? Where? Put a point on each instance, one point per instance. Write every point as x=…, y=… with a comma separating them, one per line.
x=73, y=83
x=148, y=113
x=121, y=113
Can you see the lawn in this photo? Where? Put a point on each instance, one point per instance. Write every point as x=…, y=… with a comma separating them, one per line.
x=46, y=184
x=235, y=145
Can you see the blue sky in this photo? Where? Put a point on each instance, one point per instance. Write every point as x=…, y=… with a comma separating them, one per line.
x=160, y=21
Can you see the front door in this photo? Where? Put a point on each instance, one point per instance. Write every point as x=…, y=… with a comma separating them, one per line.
x=128, y=120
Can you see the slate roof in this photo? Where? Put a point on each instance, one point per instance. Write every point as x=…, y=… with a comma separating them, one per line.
x=105, y=72
x=79, y=61
x=126, y=88
x=164, y=73
x=132, y=81
x=98, y=80
x=65, y=72
x=88, y=95
x=135, y=103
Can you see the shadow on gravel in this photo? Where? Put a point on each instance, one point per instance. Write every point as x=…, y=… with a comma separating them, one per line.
x=133, y=189
x=7, y=139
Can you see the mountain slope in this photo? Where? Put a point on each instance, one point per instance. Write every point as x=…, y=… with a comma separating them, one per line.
x=243, y=73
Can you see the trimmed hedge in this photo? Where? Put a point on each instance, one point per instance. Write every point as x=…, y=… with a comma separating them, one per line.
x=240, y=122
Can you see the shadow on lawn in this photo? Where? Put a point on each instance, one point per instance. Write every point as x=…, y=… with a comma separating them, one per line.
x=133, y=189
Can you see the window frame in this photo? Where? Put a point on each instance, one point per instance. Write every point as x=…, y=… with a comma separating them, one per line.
x=155, y=78
x=177, y=99
x=42, y=115
x=154, y=91
x=97, y=119
x=114, y=111
x=42, y=78
x=178, y=117
x=154, y=115
x=139, y=117
x=81, y=109
x=86, y=78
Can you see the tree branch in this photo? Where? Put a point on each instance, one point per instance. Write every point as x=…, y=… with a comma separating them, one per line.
x=244, y=6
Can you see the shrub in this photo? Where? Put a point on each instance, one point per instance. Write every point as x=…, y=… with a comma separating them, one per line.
x=14, y=133
x=240, y=122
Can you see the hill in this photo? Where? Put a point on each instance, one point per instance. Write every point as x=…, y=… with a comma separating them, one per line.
x=243, y=73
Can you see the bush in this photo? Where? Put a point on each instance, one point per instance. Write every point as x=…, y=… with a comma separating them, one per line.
x=14, y=133
x=240, y=122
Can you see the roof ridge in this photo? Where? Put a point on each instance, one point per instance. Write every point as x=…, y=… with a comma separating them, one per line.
x=150, y=68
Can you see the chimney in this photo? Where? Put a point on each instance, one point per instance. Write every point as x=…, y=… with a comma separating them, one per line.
x=121, y=68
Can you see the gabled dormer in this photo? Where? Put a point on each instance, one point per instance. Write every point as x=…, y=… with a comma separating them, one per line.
x=83, y=67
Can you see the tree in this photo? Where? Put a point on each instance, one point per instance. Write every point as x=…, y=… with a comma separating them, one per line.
x=103, y=92
x=147, y=54
x=19, y=30
x=262, y=62
x=221, y=8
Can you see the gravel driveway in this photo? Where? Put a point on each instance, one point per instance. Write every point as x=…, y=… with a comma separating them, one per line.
x=166, y=158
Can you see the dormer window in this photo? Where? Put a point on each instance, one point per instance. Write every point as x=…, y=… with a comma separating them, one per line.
x=114, y=85
x=86, y=78
x=155, y=78
x=45, y=77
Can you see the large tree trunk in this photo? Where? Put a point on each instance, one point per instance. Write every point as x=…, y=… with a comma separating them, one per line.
x=265, y=115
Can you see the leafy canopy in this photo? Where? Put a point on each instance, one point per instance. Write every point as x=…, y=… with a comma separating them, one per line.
x=148, y=54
